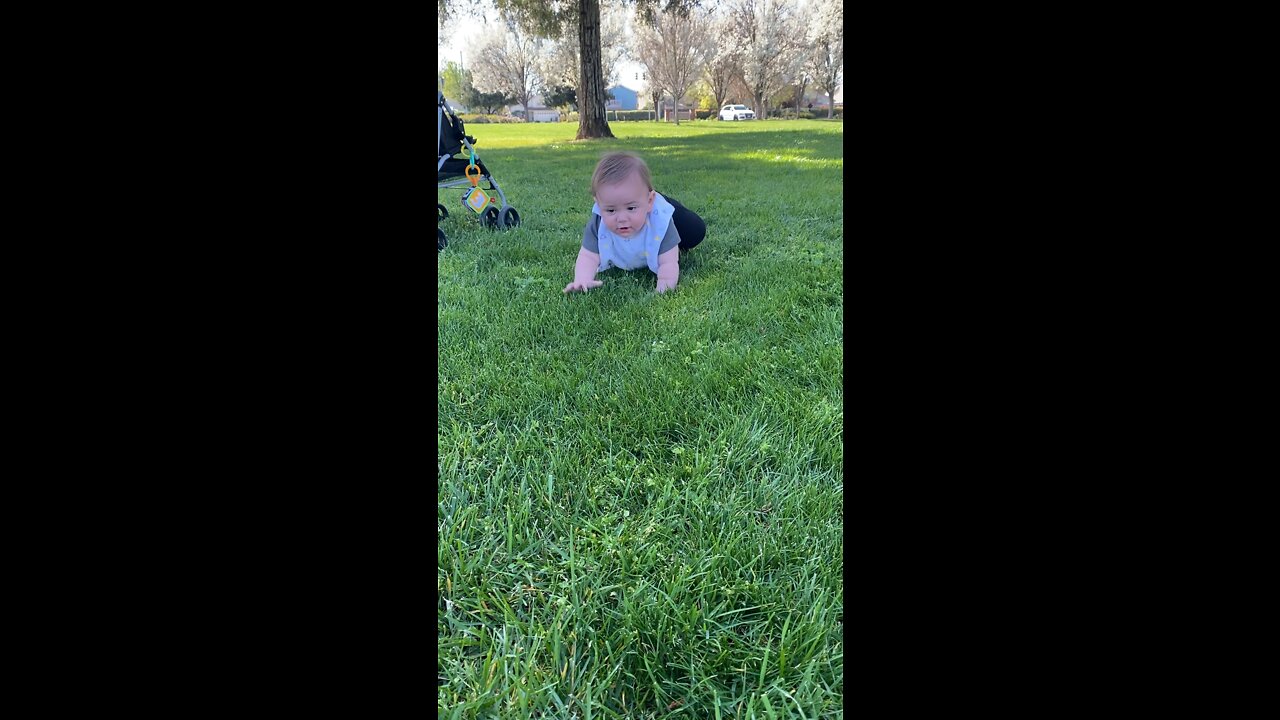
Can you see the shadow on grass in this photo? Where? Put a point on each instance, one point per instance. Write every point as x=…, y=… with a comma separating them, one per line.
x=743, y=174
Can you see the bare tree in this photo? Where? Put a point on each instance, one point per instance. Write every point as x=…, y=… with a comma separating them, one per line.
x=507, y=62
x=826, y=63
x=772, y=41
x=802, y=84
x=738, y=90
x=723, y=60
x=801, y=74
x=563, y=62
x=560, y=63
x=673, y=48
x=645, y=51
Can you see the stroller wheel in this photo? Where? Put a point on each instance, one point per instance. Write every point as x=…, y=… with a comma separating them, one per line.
x=440, y=241
x=489, y=218
x=441, y=212
x=509, y=218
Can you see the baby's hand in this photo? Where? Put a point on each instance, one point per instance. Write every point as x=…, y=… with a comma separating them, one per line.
x=664, y=285
x=584, y=286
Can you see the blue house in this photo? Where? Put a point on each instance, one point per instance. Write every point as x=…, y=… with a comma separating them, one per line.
x=624, y=98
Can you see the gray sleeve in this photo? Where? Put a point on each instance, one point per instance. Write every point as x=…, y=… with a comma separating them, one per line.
x=590, y=234
x=671, y=239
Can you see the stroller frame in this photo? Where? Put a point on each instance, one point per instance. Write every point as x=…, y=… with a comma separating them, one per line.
x=503, y=217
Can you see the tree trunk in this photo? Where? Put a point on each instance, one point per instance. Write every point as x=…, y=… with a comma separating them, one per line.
x=831, y=103
x=591, y=90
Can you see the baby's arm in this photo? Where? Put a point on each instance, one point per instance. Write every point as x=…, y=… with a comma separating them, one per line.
x=584, y=272
x=668, y=269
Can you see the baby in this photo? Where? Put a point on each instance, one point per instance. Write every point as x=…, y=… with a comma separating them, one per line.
x=632, y=226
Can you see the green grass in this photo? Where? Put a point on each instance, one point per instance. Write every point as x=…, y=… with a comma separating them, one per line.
x=640, y=496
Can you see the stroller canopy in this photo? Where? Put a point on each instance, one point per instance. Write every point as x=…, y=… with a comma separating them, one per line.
x=450, y=130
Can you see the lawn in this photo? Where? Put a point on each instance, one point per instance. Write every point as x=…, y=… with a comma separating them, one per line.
x=639, y=495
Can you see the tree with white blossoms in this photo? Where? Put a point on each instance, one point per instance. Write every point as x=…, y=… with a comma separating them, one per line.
x=772, y=43
x=724, y=59
x=674, y=51
x=507, y=62
x=826, y=64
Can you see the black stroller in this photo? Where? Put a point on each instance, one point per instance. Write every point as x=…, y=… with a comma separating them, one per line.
x=454, y=169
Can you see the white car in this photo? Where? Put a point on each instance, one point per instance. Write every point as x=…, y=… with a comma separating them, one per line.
x=736, y=112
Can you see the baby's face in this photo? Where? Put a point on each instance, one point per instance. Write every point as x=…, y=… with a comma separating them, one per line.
x=625, y=206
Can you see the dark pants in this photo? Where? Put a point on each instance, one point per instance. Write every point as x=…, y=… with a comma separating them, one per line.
x=688, y=224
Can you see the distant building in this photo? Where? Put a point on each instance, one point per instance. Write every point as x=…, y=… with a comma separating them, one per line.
x=538, y=110
x=624, y=98
x=669, y=111
x=819, y=98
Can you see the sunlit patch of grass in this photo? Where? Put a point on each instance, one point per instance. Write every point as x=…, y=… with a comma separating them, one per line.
x=791, y=155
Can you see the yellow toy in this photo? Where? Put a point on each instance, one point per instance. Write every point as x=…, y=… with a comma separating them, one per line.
x=475, y=198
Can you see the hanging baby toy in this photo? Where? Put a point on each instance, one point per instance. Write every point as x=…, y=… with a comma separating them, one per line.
x=475, y=198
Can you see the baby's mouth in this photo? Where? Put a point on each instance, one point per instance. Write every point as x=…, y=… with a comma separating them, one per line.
x=624, y=229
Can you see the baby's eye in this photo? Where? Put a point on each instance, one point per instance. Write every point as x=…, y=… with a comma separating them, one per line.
x=609, y=211
x=631, y=208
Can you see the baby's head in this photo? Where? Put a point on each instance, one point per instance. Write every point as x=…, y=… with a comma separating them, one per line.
x=623, y=191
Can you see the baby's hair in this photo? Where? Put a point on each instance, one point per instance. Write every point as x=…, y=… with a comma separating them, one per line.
x=616, y=167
